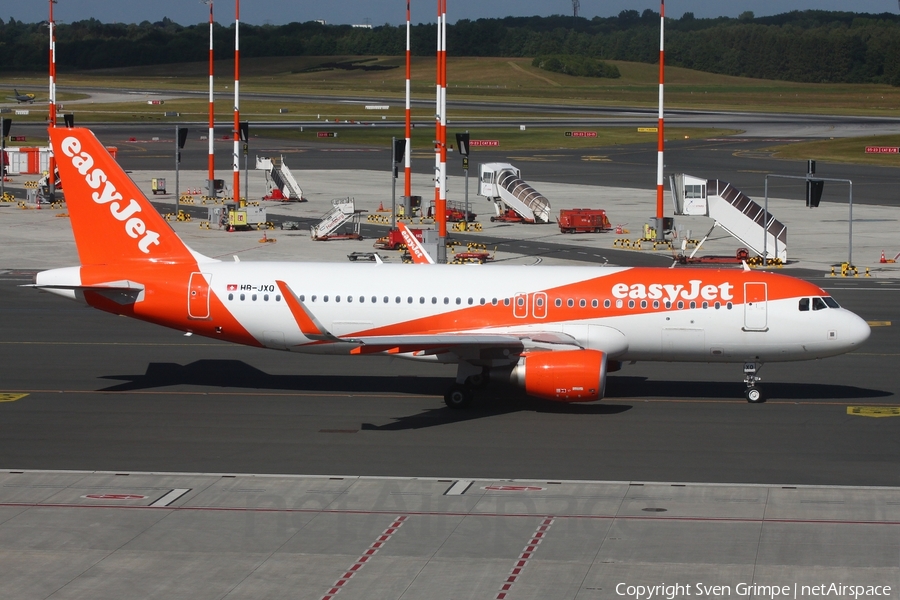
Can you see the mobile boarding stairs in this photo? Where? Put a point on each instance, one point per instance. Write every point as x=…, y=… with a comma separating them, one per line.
x=502, y=184
x=733, y=211
x=342, y=222
x=280, y=182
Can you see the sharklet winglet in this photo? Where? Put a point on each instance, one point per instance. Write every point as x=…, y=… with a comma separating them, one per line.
x=309, y=325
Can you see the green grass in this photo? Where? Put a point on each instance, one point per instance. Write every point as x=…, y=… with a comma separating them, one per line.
x=846, y=150
x=512, y=81
x=533, y=138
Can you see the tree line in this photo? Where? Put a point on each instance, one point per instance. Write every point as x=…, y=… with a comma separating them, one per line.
x=803, y=46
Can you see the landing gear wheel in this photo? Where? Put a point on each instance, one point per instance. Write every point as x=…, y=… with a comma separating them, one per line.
x=458, y=396
x=754, y=395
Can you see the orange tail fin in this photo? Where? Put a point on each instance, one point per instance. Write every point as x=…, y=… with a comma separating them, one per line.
x=112, y=219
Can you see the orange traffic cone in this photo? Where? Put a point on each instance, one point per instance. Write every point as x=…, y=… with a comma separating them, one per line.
x=380, y=207
x=883, y=257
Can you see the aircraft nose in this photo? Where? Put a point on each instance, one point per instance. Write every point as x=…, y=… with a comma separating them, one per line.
x=855, y=330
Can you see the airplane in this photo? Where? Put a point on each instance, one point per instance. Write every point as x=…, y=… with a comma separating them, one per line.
x=20, y=98
x=556, y=331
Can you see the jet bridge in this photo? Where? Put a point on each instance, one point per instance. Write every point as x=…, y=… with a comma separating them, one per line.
x=733, y=211
x=503, y=185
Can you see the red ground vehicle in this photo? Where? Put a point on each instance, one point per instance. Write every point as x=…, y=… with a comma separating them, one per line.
x=583, y=220
x=394, y=239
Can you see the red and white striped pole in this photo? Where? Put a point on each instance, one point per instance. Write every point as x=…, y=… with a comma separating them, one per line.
x=236, y=158
x=660, y=143
x=441, y=204
x=51, y=105
x=212, y=112
x=407, y=159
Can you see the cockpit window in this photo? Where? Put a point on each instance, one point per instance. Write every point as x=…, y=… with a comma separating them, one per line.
x=804, y=304
x=831, y=302
x=818, y=304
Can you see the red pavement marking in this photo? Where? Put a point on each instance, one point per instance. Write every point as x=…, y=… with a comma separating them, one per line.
x=364, y=558
x=524, y=557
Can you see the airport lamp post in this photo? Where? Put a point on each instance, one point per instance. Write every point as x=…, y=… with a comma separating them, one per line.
x=462, y=144
x=236, y=158
x=245, y=137
x=210, y=182
x=180, y=138
x=51, y=166
x=660, y=133
x=7, y=123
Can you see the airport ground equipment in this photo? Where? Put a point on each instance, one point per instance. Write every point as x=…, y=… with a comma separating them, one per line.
x=733, y=211
x=158, y=185
x=340, y=223
x=394, y=239
x=237, y=215
x=280, y=182
x=583, y=220
x=501, y=183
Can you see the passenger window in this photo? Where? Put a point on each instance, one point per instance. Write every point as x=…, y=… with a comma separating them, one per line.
x=693, y=304
x=231, y=296
x=558, y=302
x=618, y=304
x=706, y=305
x=570, y=303
x=302, y=298
x=680, y=304
x=718, y=305
x=506, y=302
x=519, y=301
x=804, y=304
x=539, y=302
x=643, y=304
x=324, y=298
x=819, y=304
x=582, y=303
x=471, y=301
x=337, y=298
x=482, y=301
x=397, y=299
x=409, y=299
x=656, y=304
x=434, y=300
x=494, y=301
x=266, y=297
x=421, y=299
x=729, y=306
x=631, y=304
x=349, y=298
x=278, y=298
x=594, y=303
x=459, y=300
x=386, y=300
x=242, y=297
x=446, y=300
x=606, y=304
x=254, y=298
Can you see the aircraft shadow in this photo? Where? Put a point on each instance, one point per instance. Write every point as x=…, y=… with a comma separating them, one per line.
x=642, y=387
x=238, y=374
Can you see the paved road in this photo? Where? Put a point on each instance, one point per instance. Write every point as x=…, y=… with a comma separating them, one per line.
x=116, y=394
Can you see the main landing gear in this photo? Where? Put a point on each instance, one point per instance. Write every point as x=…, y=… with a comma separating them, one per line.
x=753, y=393
x=461, y=395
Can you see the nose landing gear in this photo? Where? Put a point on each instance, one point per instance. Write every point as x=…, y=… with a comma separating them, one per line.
x=753, y=393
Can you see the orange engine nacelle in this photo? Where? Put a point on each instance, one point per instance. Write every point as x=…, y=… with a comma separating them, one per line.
x=563, y=376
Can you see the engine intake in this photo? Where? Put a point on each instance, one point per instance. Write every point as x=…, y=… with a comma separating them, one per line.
x=562, y=376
